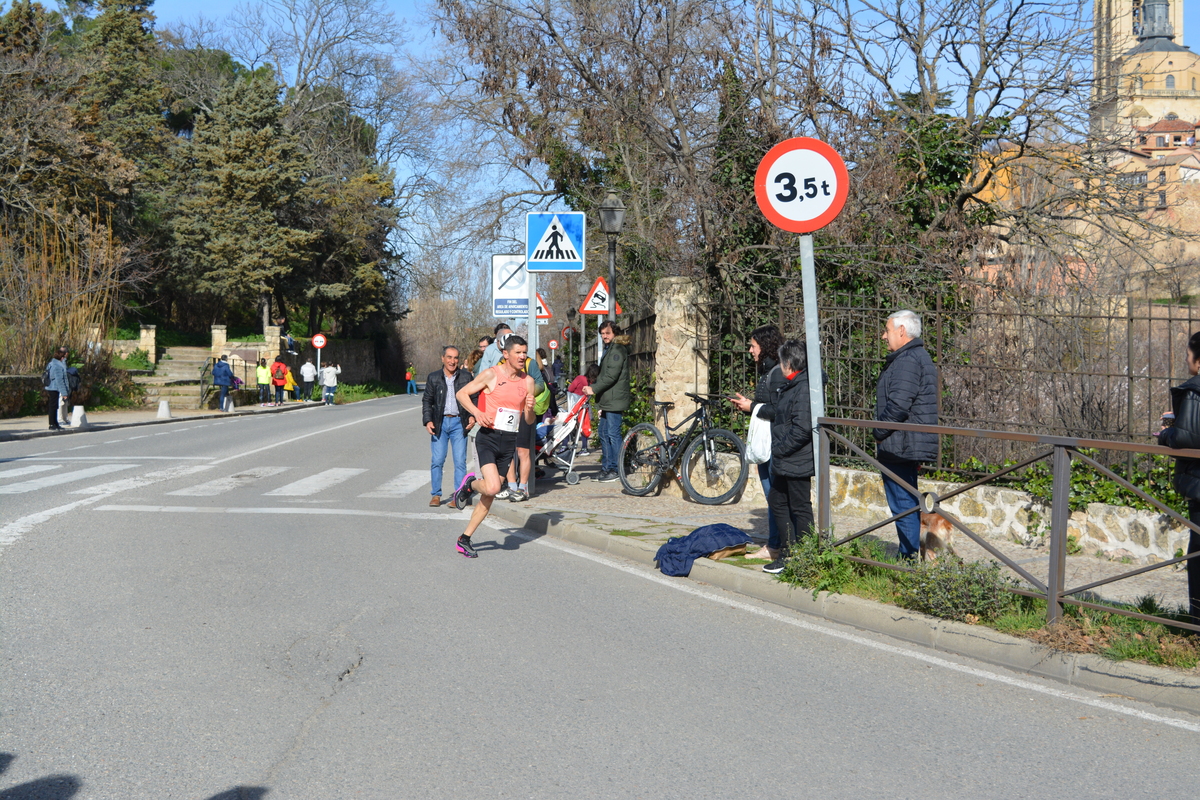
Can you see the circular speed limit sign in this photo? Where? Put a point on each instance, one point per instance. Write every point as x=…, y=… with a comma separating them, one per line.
x=801, y=185
x=553, y=344
x=318, y=341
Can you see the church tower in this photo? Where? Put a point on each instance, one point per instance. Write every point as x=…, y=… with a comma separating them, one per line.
x=1143, y=71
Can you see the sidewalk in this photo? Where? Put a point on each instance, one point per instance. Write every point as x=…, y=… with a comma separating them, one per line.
x=17, y=429
x=601, y=517
x=655, y=519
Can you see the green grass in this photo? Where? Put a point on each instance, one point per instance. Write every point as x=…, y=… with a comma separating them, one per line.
x=353, y=393
x=138, y=359
x=623, y=532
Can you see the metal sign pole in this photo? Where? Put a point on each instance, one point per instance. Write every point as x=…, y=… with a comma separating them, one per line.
x=812, y=331
x=533, y=345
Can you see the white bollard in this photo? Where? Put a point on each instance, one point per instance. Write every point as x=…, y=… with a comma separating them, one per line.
x=229, y=406
x=79, y=417
x=164, y=409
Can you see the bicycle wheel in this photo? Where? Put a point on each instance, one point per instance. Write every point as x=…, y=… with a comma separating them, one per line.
x=714, y=467
x=640, y=463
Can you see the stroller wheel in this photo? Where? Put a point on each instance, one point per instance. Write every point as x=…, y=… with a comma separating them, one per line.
x=572, y=478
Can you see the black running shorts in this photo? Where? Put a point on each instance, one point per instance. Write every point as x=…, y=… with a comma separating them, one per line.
x=496, y=447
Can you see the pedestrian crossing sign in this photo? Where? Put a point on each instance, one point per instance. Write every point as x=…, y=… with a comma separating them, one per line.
x=554, y=242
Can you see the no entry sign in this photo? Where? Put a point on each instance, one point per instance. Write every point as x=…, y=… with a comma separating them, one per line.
x=801, y=185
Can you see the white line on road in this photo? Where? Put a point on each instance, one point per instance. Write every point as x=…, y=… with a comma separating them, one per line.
x=114, y=458
x=314, y=433
x=18, y=528
x=137, y=482
x=725, y=599
x=228, y=483
x=315, y=483
x=62, y=477
x=32, y=468
x=403, y=484
x=320, y=512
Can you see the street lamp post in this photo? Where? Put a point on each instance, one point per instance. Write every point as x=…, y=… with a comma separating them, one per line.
x=612, y=220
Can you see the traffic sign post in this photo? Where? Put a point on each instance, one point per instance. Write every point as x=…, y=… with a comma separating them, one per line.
x=552, y=344
x=319, y=341
x=510, y=287
x=801, y=186
x=598, y=299
x=543, y=311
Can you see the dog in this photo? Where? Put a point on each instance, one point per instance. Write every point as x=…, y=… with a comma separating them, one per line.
x=936, y=534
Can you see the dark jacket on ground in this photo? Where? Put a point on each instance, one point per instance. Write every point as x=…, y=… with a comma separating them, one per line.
x=770, y=379
x=791, y=430
x=612, y=386
x=1185, y=435
x=677, y=555
x=907, y=392
x=222, y=375
x=433, y=400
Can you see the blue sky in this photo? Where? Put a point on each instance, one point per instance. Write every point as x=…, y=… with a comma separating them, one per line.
x=169, y=11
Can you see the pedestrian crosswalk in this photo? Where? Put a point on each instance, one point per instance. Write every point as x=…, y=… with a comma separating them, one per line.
x=268, y=481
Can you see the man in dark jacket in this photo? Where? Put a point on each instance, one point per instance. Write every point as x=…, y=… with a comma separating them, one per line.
x=612, y=393
x=222, y=378
x=441, y=417
x=907, y=392
x=792, y=465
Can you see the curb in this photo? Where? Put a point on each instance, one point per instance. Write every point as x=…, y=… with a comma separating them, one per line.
x=24, y=437
x=1156, y=685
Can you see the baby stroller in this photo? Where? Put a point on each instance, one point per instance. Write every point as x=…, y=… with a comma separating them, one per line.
x=563, y=439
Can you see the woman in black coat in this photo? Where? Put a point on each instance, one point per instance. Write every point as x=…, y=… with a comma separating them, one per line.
x=792, y=463
x=764, y=346
x=1185, y=434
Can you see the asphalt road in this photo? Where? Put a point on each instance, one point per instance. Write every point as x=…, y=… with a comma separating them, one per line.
x=267, y=607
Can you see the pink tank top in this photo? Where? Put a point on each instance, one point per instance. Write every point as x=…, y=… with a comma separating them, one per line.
x=509, y=393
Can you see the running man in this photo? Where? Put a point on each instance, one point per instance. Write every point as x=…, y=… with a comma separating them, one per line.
x=506, y=395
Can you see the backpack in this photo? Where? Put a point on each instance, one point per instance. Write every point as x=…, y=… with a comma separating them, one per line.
x=280, y=370
x=73, y=379
x=46, y=378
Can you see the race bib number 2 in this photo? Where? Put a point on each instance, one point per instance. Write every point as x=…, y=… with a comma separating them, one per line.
x=507, y=419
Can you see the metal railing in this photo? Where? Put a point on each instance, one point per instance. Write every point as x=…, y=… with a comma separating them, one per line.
x=1061, y=451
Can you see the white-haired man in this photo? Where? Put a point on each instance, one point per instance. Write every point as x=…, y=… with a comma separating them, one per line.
x=907, y=392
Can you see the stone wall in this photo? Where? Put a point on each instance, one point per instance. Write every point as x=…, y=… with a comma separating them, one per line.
x=1116, y=532
x=680, y=365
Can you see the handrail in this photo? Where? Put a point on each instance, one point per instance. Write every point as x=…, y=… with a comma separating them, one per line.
x=206, y=380
x=1063, y=450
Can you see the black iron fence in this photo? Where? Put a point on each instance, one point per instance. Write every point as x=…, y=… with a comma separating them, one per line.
x=1063, y=366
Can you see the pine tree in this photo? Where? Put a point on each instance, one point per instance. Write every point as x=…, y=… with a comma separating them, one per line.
x=242, y=176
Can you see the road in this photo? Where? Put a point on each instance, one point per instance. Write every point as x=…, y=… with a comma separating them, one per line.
x=266, y=607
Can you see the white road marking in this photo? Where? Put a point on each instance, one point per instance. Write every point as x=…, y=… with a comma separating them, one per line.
x=315, y=483
x=148, y=479
x=228, y=483
x=314, y=433
x=320, y=512
x=403, y=484
x=32, y=468
x=726, y=600
x=111, y=458
x=18, y=528
x=61, y=478
x=81, y=447
x=143, y=436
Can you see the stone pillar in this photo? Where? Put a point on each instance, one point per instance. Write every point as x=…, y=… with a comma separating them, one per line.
x=147, y=340
x=219, y=339
x=681, y=351
x=273, y=345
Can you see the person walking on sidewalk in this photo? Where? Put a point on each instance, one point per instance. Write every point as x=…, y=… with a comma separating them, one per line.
x=222, y=377
x=329, y=381
x=506, y=397
x=57, y=386
x=792, y=464
x=308, y=374
x=612, y=394
x=906, y=392
x=445, y=421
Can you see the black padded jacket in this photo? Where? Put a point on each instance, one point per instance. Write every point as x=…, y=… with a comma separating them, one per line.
x=792, y=430
x=1185, y=435
x=907, y=392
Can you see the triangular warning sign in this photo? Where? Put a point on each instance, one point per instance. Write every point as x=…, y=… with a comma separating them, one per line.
x=543, y=310
x=555, y=245
x=597, y=299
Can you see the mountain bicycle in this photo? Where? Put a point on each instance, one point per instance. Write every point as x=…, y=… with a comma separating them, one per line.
x=710, y=461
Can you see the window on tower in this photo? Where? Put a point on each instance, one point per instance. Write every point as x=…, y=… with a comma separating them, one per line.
x=1170, y=81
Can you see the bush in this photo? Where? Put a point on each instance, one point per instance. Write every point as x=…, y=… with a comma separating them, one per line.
x=814, y=564
x=953, y=589
x=138, y=359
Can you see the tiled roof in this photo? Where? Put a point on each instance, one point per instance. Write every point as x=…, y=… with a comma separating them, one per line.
x=1169, y=126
